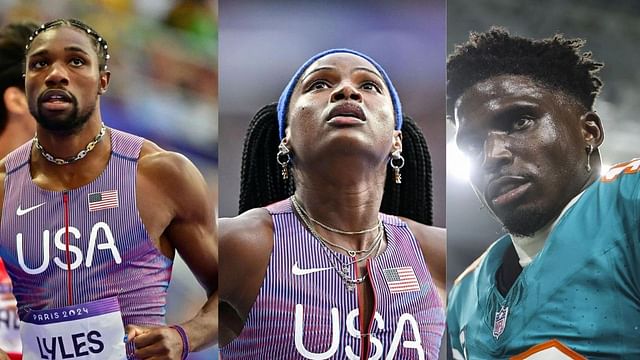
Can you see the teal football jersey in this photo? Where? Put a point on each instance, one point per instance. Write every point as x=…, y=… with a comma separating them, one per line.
x=583, y=288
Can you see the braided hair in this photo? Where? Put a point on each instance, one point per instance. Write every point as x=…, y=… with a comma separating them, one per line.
x=261, y=182
x=555, y=62
x=13, y=38
x=101, y=46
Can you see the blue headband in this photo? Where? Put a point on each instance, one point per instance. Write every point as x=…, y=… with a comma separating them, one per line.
x=285, y=97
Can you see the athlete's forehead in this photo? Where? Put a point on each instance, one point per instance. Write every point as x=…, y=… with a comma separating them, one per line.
x=492, y=96
x=66, y=37
x=341, y=62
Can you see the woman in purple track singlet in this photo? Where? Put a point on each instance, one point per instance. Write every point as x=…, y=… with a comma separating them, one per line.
x=316, y=268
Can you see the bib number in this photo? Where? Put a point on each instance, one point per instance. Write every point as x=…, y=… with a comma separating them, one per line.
x=91, y=330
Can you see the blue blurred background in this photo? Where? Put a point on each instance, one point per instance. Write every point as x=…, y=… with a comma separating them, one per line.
x=164, y=87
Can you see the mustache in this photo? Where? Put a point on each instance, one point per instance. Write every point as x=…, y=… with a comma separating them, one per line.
x=60, y=93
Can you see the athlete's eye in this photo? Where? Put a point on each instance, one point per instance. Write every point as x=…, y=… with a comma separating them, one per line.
x=77, y=62
x=318, y=85
x=37, y=64
x=522, y=123
x=370, y=85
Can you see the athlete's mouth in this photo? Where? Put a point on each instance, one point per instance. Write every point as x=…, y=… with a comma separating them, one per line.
x=347, y=112
x=506, y=189
x=55, y=100
x=56, y=96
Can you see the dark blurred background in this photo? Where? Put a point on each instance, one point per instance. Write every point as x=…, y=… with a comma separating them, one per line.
x=164, y=87
x=612, y=31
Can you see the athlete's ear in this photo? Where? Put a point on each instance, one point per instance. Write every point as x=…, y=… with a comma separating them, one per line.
x=592, y=130
x=15, y=101
x=287, y=135
x=105, y=76
x=397, y=141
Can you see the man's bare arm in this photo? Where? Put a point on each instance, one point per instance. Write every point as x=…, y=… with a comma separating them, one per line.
x=191, y=230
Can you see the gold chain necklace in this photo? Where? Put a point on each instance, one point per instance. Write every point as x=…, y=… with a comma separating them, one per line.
x=338, y=231
x=59, y=161
x=343, y=268
x=352, y=253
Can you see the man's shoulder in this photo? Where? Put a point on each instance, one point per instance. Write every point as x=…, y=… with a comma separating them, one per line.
x=172, y=167
x=622, y=181
x=153, y=155
x=622, y=169
x=467, y=275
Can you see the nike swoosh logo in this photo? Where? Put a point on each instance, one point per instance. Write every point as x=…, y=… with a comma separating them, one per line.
x=21, y=212
x=300, y=272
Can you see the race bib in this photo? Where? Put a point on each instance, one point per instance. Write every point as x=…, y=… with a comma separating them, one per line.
x=91, y=330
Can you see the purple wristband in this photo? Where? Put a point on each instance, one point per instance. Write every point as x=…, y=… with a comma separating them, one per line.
x=185, y=340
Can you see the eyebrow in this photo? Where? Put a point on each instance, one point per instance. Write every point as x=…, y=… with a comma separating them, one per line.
x=316, y=70
x=68, y=48
x=362, y=68
x=358, y=68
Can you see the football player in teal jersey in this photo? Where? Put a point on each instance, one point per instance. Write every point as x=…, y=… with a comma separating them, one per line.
x=565, y=281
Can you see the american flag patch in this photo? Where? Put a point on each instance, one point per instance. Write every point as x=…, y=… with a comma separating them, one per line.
x=103, y=200
x=401, y=280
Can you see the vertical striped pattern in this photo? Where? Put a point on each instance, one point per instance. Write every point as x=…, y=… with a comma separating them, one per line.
x=269, y=331
x=425, y=306
x=139, y=276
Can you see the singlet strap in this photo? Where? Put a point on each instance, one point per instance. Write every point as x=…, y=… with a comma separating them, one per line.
x=125, y=145
x=18, y=158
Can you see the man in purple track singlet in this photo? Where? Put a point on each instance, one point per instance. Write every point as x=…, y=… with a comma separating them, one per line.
x=325, y=273
x=92, y=218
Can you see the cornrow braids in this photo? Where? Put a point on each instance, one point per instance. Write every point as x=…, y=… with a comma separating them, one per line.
x=102, y=48
x=13, y=38
x=261, y=182
x=555, y=62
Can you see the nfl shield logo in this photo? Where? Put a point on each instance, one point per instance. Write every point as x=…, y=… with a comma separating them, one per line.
x=500, y=321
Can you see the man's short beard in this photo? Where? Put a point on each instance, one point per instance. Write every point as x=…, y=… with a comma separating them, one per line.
x=525, y=222
x=72, y=123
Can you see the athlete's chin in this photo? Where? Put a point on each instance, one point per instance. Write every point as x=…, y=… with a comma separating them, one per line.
x=63, y=124
x=354, y=144
x=523, y=221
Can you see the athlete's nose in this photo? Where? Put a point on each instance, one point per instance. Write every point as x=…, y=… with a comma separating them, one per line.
x=496, y=151
x=346, y=92
x=57, y=75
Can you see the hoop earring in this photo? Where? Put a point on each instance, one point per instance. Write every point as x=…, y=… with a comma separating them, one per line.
x=284, y=159
x=589, y=149
x=396, y=162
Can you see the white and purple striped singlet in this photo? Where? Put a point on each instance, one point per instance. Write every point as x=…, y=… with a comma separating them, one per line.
x=110, y=251
x=308, y=313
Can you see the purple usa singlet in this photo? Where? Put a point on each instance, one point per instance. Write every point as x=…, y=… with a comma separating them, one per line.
x=304, y=310
x=110, y=251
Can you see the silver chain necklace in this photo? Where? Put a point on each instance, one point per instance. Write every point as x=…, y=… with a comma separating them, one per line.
x=59, y=161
